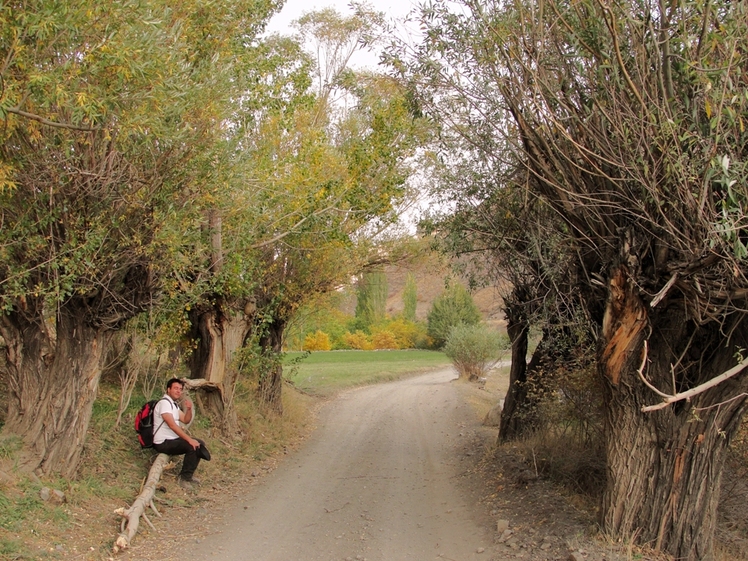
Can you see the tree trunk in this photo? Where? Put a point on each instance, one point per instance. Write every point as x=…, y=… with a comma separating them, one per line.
x=521, y=417
x=220, y=331
x=271, y=378
x=664, y=467
x=510, y=426
x=53, y=377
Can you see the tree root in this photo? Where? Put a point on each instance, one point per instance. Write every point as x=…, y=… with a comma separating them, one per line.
x=131, y=516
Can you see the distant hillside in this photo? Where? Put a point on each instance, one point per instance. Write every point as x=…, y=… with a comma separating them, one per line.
x=430, y=279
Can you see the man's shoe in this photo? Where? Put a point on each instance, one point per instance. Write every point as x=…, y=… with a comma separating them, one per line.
x=186, y=485
x=193, y=480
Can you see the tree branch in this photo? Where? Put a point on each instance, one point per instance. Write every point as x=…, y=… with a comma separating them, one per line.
x=49, y=123
x=737, y=369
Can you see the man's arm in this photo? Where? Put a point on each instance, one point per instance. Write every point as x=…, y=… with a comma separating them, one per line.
x=186, y=415
x=173, y=425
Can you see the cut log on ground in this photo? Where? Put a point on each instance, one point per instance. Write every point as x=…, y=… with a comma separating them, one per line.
x=131, y=516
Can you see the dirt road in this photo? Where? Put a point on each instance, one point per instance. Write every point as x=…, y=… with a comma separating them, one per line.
x=378, y=481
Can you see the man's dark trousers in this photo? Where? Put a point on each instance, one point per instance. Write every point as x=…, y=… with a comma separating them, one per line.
x=177, y=447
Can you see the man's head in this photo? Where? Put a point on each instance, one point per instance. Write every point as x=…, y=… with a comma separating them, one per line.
x=174, y=388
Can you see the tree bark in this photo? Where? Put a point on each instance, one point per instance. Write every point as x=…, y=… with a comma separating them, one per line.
x=220, y=330
x=271, y=378
x=53, y=374
x=664, y=467
x=510, y=426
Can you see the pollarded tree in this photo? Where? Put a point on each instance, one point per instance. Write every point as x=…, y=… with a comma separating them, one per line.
x=505, y=239
x=107, y=110
x=357, y=179
x=305, y=177
x=364, y=152
x=629, y=120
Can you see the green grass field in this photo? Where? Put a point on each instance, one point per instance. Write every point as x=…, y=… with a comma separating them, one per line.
x=324, y=373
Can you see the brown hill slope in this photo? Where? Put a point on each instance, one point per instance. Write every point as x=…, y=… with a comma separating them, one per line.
x=431, y=275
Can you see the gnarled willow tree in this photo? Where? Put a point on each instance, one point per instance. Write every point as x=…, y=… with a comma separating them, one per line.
x=108, y=113
x=628, y=120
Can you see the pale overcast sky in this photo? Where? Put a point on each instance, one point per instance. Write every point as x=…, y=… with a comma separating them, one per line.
x=293, y=9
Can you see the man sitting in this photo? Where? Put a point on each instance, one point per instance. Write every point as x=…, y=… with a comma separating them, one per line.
x=170, y=438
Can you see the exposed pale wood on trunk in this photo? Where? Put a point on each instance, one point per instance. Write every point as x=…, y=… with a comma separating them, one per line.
x=677, y=455
x=131, y=516
x=220, y=330
x=625, y=319
x=202, y=384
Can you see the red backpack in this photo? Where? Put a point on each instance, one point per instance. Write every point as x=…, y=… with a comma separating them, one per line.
x=144, y=423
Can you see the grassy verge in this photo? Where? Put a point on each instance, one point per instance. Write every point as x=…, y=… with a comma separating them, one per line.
x=324, y=373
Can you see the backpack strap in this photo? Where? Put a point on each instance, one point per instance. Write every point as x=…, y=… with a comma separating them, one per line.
x=162, y=418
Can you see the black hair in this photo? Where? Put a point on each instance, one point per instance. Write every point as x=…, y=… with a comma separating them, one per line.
x=173, y=381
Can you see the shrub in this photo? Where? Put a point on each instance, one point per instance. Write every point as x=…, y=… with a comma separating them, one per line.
x=473, y=349
x=358, y=340
x=560, y=457
x=452, y=307
x=408, y=334
x=566, y=443
x=318, y=341
x=384, y=340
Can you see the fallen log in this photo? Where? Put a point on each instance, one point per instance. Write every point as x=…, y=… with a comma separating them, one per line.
x=131, y=516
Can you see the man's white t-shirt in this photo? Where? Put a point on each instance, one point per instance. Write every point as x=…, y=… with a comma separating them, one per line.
x=162, y=431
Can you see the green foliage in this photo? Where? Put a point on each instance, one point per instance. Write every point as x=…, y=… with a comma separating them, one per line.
x=371, y=298
x=474, y=349
x=452, y=307
x=110, y=114
x=410, y=298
